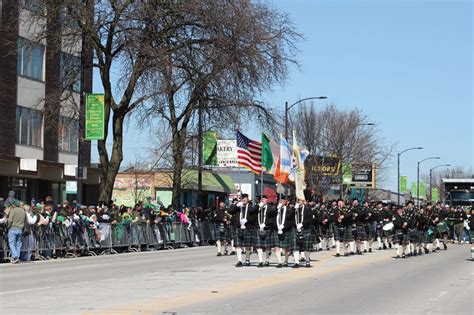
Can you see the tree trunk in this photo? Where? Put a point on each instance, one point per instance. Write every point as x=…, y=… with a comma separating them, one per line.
x=178, y=159
x=110, y=168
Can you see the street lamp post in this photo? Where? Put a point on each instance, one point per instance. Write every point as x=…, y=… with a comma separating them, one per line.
x=418, y=178
x=431, y=172
x=287, y=108
x=398, y=167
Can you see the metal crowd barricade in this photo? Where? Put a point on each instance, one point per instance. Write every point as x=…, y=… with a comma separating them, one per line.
x=80, y=238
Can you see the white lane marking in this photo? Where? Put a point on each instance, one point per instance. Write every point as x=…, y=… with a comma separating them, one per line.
x=440, y=295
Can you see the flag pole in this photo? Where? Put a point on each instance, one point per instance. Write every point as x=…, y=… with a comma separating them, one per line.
x=281, y=136
x=238, y=167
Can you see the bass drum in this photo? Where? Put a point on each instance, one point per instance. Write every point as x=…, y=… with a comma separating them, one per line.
x=388, y=228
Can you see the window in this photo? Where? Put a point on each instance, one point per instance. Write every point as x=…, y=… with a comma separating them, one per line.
x=30, y=59
x=68, y=135
x=71, y=72
x=29, y=124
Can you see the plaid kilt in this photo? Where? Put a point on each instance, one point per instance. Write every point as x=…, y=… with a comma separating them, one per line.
x=413, y=235
x=223, y=232
x=326, y=231
x=267, y=242
x=442, y=228
x=307, y=241
x=349, y=232
x=400, y=237
x=338, y=232
x=429, y=237
x=288, y=241
x=243, y=238
x=359, y=232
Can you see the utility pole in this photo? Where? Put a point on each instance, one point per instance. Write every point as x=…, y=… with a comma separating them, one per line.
x=81, y=132
x=200, y=149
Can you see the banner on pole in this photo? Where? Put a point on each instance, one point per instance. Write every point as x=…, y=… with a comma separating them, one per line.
x=434, y=194
x=209, y=150
x=403, y=184
x=346, y=173
x=95, y=117
x=414, y=189
x=422, y=189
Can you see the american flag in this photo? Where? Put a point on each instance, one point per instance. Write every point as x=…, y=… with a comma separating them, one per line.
x=249, y=153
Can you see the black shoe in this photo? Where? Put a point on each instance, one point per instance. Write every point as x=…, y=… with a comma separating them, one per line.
x=285, y=265
x=384, y=246
x=267, y=264
x=307, y=265
x=219, y=254
x=390, y=245
x=232, y=253
x=225, y=252
x=403, y=256
x=320, y=249
x=338, y=255
x=415, y=254
x=380, y=248
x=247, y=263
x=365, y=250
x=398, y=256
x=239, y=264
x=302, y=260
x=351, y=253
x=358, y=252
x=333, y=246
x=437, y=248
x=434, y=251
x=427, y=251
x=370, y=250
x=260, y=265
x=346, y=254
x=279, y=266
x=296, y=266
x=445, y=247
x=327, y=248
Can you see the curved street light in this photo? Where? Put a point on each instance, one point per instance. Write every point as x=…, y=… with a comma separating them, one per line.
x=418, y=178
x=398, y=167
x=288, y=107
x=431, y=172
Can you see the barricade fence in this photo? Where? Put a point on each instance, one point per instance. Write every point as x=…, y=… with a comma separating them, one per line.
x=60, y=240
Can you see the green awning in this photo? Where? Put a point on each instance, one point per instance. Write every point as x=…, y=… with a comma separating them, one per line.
x=210, y=182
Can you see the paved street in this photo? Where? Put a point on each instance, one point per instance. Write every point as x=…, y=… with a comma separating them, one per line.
x=195, y=281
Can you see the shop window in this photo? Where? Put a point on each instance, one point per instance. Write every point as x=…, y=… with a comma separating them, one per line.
x=29, y=124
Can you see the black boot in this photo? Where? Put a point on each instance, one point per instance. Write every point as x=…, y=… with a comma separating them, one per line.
x=239, y=264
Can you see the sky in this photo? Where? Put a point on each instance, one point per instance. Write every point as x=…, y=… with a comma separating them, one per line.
x=407, y=64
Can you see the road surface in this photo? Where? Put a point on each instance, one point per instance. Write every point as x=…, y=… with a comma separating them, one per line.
x=195, y=281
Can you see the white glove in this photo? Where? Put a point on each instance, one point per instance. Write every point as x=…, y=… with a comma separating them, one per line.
x=279, y=206
x=299, y=226
x=240, y=204
x=262, y=226
x=260, y=204
x=242, y=226
x=297, y=205
x=281, y=226
x=280, y=231
x=243, y=221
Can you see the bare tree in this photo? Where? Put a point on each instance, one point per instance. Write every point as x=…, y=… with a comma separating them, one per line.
x=218, y=59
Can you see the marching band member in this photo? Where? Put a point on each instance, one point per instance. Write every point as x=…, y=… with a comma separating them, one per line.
x=222, y=220
x=304, y=232
x=264, y=238
x=243, y=221
x=285, y=237
x=401, y=230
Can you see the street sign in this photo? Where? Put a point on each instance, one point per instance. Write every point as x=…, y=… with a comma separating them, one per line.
x=71, y=187
x=363, y=175
x=95, y=117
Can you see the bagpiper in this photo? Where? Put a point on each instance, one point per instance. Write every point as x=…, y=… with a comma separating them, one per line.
x=243, y=225
x=266, y=224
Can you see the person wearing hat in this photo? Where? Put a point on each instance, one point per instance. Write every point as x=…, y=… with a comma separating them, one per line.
x=376, y=231
x=401, y=229
x=244, y=228
x=221, y=219
x=285, y=236
x=358, y=228
x=412, y=233
x=264, y=239
x=343, y=221
x=442, y=228
x=305, y=237
x=386, y=216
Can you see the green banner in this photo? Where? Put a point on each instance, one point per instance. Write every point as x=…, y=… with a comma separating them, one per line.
x=422, y=189
x=209, y=150
x=346, y=173
x=434, y=194
x=95, y=117
x=403, y=184
x=413, y=189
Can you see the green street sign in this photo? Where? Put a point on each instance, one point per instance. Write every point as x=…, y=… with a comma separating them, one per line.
x=95, y=117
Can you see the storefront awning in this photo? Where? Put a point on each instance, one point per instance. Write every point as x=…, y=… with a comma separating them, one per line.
x=211, y=182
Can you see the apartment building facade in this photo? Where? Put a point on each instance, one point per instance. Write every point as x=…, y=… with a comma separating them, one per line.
x=39, y=106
